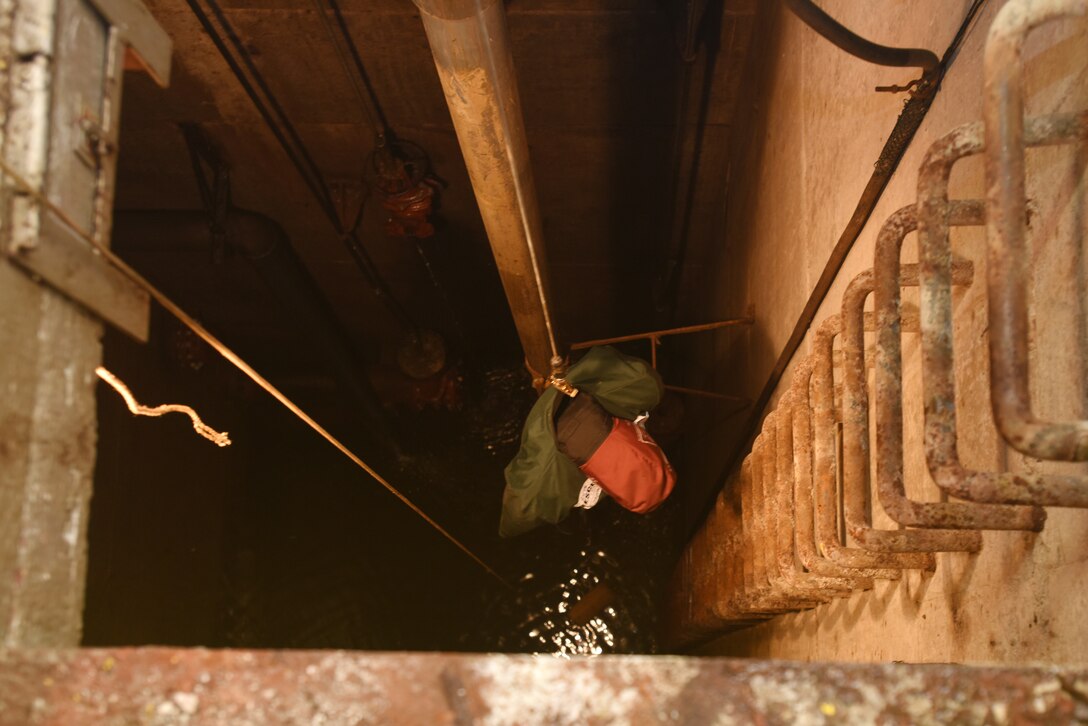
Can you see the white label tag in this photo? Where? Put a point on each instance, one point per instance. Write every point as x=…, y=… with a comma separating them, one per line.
x=589, y=495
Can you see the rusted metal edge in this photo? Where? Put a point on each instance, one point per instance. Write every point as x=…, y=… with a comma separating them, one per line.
x=765, y=483
x=730, y=555
x=756, y=593
x=654, y=334
x=470, y=43
x=142, y=33
x=166, y=686
x=804, y=492
x=780, y=502
x=65, y=262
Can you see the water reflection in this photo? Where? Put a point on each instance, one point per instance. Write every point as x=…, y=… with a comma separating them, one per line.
x=538, y=617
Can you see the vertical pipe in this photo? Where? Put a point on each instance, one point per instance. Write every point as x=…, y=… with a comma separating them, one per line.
x=471, y=51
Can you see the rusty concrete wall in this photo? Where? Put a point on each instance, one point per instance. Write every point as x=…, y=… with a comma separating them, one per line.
x=47, y=427
x=48, y=352
x=819, y=127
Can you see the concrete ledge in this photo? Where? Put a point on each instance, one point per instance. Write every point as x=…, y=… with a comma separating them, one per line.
x=168, y=686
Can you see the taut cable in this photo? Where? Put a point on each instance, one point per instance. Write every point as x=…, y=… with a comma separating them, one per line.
x=21, y=185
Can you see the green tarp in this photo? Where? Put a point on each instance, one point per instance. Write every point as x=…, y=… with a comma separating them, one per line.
x=542, y=484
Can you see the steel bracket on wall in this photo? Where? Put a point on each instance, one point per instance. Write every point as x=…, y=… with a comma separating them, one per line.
x=63, y=194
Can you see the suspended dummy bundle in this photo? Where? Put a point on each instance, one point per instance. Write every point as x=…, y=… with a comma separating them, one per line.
x=603, y=445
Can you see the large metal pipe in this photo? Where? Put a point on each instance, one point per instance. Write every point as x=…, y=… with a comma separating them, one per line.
x=471, y=49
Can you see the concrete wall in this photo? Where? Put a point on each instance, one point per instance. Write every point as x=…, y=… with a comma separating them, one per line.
x=49, y=348
x=819, y=126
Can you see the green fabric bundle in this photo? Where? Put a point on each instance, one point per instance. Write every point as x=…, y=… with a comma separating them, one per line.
x=541, y=483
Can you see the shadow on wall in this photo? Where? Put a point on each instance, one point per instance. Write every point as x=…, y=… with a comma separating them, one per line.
x=713, y=286
x=724, y=362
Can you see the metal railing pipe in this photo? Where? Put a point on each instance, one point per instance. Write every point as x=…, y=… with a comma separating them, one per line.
x=855, y=442
x=826, y=456
x=888, y=387
x=938, y=361
x=1007, y=254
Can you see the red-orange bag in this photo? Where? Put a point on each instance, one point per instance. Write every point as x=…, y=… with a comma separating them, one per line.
x=632, y=468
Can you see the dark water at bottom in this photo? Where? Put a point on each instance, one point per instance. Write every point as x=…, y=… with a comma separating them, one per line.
x=607, y=550
x=457, y=471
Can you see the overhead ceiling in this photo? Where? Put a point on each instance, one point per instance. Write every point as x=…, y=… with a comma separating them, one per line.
x=616, y=119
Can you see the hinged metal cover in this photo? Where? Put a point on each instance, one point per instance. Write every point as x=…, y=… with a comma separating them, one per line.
x=64, y=209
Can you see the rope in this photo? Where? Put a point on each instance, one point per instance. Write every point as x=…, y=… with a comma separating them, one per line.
x=216, y=437
x=170, y=306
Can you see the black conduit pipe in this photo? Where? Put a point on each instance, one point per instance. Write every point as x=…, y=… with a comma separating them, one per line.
x=857, y=46
x=264, y=245
x=246, y=72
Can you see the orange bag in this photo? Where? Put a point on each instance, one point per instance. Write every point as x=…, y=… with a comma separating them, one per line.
x=631, y=468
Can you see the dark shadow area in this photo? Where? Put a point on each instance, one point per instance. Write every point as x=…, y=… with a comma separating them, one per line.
x=277, y=541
